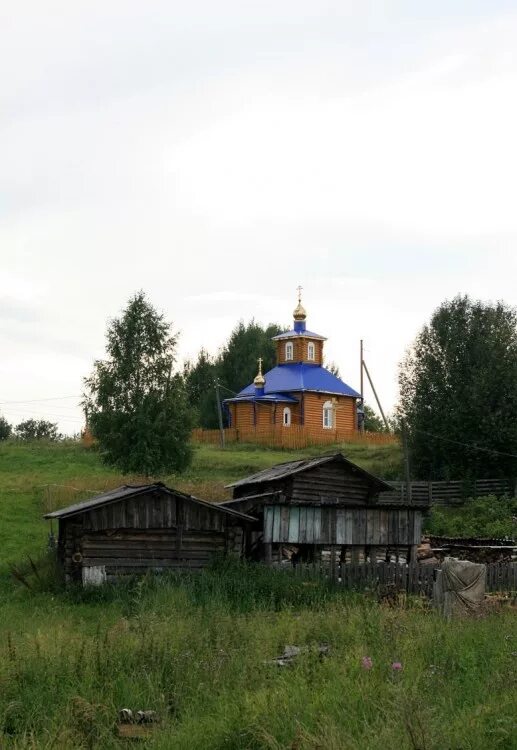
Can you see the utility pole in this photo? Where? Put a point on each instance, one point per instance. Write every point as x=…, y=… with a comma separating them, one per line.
x=376, y=396
x=407, y=468
x=219, y=411
x=362, y=384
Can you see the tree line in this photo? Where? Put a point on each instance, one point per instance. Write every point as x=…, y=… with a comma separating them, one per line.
x=29, y=429
x=457, y=406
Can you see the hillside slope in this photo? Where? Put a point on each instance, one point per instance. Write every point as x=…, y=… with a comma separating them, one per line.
x=38, y=477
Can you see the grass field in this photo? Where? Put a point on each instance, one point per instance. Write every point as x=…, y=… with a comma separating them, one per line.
x=26, y=471
x=196, y=649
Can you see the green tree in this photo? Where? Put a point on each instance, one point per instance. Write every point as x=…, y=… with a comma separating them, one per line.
x=37, y=429
x=234, y=367
x=372, y=421
x=200, y=379
x=135, y=405
x=458, y=392
x=5, y=429
x=237, y=363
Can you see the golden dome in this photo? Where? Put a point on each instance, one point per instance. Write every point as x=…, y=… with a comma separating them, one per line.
x=259, y=380
x=299, y=310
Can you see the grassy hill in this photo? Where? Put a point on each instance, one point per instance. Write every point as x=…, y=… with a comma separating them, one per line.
x=197, y=649
x=42, y=476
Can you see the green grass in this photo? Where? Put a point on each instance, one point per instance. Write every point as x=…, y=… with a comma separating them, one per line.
x=196, y=648
x=482, y=517
x=27, y=470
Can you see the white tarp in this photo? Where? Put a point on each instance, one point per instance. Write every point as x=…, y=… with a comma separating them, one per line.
x=459, y=589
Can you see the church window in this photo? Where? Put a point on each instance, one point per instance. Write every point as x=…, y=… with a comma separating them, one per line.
x=311, y=351
x=328, y=415
x=289, y=350
x=287, y=416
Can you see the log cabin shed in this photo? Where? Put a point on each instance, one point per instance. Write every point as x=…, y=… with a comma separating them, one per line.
x=328, y=503
x=133, y=529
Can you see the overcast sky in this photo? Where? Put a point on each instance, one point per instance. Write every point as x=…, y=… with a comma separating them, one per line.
x=218, y=154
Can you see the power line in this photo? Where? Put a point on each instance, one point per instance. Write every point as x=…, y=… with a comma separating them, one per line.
x=228, y=389
x=467, y=445
x=37, y=400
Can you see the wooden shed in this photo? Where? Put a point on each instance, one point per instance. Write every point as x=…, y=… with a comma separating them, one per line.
x=328, y=503
x=132, y=529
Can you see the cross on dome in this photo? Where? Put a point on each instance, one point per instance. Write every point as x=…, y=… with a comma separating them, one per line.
x=259, y=378
x=299, y=311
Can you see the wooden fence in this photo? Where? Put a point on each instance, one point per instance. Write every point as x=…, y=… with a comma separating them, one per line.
x=449, y=493
x=293, y=437
x=413, y=579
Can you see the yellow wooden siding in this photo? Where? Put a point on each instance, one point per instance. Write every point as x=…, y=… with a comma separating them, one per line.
x=300, y=351
x=345, y=416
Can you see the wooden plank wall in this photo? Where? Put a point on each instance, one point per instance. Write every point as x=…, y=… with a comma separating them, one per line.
x=298, y=524
x=155, y=511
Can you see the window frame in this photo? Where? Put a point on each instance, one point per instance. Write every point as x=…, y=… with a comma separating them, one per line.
x=289, y=349
x=286, y=413
x=328, y=415
x=311, y=348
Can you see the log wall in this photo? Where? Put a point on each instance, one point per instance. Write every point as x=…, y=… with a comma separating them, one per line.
x=300, y=351
x=329, y=483
x=157, y=530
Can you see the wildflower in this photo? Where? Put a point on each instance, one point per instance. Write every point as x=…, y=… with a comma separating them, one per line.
x=396, y=666
x=366, y=662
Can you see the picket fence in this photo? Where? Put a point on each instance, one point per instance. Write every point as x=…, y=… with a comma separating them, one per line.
x=413, y=579
x=294, y=438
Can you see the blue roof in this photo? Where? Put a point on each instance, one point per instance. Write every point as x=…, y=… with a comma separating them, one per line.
x=293, y=333
x=267, y=397
x=301, y=377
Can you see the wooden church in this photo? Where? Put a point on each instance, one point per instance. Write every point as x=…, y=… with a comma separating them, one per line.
x=299, y=393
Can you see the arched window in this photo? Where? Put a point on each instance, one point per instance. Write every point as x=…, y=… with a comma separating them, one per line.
x=311, y=351
x=287, y=417
x=289, y=350
x=328, y=415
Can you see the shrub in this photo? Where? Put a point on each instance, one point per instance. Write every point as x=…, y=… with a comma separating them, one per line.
x=482, y=517
x=5, y=429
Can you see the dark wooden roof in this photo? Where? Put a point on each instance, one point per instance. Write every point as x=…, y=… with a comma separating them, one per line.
x=287, y=469
x=128, y=491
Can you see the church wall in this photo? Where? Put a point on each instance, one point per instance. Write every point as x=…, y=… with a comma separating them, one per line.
x=300, y=351
x=345, y=416
x=242, y=415
x=312, y=409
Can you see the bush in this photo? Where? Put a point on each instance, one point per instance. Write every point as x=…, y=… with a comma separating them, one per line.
x=482, y=517
x=5, y=429
x=37, y=429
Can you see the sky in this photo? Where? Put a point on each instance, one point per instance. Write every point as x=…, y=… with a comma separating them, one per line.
x=217, y=155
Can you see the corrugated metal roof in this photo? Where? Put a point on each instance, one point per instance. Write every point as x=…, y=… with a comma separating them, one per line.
x=302, y=377
x=280, y=471
x=126, y=491
x=292, y=334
